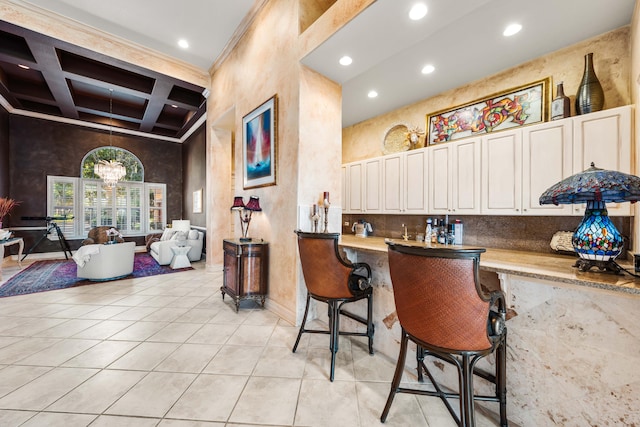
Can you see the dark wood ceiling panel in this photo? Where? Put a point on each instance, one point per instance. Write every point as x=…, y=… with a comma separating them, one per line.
x=40, y=107
x=76, y=64
x=187, y=97
x=30, y=83
x=15, y=46
x=173, y=116
x=73, y=82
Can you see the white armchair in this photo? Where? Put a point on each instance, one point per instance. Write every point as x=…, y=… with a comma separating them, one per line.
x=161, y=250
x=105, y=262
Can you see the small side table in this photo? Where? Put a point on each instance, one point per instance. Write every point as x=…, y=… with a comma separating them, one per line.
x=180, y=258
x=246, y=270
x=8, y=242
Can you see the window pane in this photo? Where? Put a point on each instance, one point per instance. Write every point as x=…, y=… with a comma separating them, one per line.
x=63, y=205
x=135, y=213
x=90, y=206
x=106, y=205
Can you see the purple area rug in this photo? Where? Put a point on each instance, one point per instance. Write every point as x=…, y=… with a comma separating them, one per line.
x=60, y=274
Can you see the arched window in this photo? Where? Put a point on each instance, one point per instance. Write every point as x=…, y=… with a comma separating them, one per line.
x=133, y=165
x=133, y=206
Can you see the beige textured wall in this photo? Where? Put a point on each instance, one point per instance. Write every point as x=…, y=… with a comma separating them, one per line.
x=612, y=63
x=266, y=62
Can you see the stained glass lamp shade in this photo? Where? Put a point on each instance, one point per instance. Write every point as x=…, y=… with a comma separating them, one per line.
x=596, y=240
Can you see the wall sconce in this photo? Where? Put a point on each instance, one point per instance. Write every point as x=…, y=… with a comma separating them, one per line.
x=244, y=212
x=596, y=240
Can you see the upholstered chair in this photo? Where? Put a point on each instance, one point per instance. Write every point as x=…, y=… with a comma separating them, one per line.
x=442, y=308
x=98, y=235
x=335, y=281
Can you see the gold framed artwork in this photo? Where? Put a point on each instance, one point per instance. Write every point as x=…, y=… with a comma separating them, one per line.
x=259, y=140
x=520, y=106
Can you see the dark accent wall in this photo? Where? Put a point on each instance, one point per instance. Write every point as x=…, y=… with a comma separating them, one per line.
x=38, y=148
x=194, y=173
x=4, y=152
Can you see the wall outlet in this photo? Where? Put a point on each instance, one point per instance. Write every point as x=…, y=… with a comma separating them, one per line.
x=346, y=223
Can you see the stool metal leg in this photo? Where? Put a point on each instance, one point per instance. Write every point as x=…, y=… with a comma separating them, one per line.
x=334, y=325
x=397, y=377
x=304, y=321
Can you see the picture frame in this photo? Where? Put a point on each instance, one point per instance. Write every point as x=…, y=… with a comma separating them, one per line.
x=197, y=201
x=519, y=106
x=259, y=142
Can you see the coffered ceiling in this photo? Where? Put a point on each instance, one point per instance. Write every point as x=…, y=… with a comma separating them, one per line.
x=42, y=75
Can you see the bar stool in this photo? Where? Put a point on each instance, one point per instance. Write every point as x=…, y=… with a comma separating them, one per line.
x=331, y=279
x=442, y=309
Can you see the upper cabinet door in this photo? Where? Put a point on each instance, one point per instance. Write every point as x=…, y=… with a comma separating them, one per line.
x=604, y=138
x=354, y=180
x=393, y=184
x=415, y=174
x=345, y=190
x=502, y=173
x=440, y=177
x=466, y=176
x=546, y=160
x=373, y=185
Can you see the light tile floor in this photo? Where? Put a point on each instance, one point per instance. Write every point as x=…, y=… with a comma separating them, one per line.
x=167, y=351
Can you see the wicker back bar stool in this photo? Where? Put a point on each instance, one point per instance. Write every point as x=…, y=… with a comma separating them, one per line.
x=335, y=281
x=442, y=309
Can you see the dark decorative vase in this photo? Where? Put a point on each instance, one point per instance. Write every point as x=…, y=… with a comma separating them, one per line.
x=590, y=96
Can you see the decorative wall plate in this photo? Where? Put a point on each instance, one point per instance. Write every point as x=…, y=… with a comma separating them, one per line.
x=396, y=139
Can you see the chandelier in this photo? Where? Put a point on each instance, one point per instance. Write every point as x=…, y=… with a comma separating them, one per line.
x=111, y=171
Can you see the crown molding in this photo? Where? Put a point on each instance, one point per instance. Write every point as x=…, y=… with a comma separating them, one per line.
x=237, y=34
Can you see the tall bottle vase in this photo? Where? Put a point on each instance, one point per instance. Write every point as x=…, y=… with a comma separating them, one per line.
x=590, y=96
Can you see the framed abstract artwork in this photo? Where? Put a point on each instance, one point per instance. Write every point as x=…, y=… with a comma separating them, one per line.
x=520, y=106
x=197, y=201
x=259, y=140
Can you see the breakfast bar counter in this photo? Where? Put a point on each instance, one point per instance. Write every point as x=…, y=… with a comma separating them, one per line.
x=573, y=346
x=557, y=268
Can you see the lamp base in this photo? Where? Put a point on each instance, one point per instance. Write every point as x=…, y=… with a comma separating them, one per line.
x=604, y=266
x=245, y=239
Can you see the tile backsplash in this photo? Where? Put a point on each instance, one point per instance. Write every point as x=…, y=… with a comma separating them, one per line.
x=530, y=233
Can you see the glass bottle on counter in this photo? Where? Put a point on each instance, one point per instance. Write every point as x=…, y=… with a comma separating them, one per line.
x=434, y=231
x=428, y=230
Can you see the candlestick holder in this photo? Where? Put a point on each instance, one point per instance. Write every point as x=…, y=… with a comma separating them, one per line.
x=326, y=217
x=315, y=218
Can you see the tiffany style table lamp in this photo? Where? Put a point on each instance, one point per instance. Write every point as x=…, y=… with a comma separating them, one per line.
x=596, y=240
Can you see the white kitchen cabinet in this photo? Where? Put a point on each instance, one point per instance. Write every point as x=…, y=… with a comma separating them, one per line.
x=354, y=176
x=502, y=173
x=362, y=186
x=372, y=192
x=405, y=182
x=547, y=153
x=603, y=138
x=345, y=190
x=454, y=177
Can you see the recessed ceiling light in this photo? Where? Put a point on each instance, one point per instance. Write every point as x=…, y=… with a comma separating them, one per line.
x=183, y=43
x=372, y=94
x=512, y=29
x=174, y=106
x=25, y=67
x=418, y=11
x=428, y=69
x=346, y=60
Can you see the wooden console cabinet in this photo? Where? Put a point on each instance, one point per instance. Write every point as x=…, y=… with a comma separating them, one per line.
x=246, y=270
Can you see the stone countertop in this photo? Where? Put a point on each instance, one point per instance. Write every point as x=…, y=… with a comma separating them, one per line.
x=551, y=267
